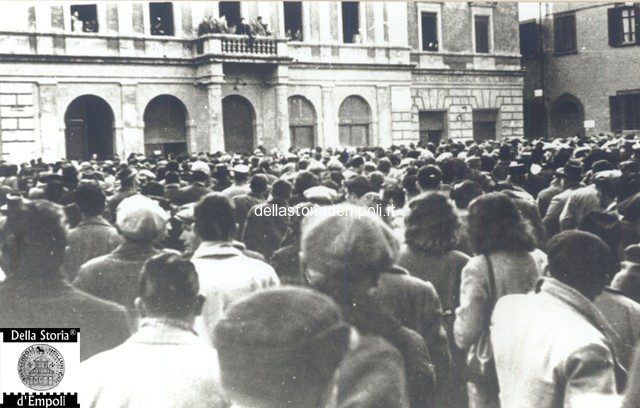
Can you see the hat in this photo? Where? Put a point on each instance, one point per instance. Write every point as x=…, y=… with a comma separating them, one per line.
x=241, y=168
x=221, y=170
x=607, y=175
x=140, y=218
x=601, y=165
x=277, y=346
x=146, y=174
x=320, y=194
x=127, y=173
x=571, y=171
x=517, y=169
x=348, y=244
x=185, y=213
x=201, y=166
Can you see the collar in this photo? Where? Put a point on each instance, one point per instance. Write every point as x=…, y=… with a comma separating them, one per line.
x=216, y=249
x=159, y=330
x=577, y=301
x=137, y=247
x=97, y=220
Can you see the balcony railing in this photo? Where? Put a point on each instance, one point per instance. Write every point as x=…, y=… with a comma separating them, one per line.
x=260, y=46
x=242, y=47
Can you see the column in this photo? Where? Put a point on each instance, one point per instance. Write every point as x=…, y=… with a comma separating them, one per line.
x=131, y=138
x=51, y=126
x=330, y=127
x=214, y=111
x=384, y=117
x=282, y=117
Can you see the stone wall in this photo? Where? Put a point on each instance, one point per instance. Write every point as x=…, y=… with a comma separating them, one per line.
x=17, y=121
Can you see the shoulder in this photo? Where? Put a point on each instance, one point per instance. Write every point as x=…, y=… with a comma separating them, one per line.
x=93, y=304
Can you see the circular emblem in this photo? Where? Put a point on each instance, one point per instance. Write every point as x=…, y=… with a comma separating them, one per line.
x=41, y=367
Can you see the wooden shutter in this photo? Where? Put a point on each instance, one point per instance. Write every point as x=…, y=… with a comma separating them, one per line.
x=615, y=28
x=637, y=14
x=614, y=113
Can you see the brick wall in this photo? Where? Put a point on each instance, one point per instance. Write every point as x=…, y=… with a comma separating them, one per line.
x=17, y=121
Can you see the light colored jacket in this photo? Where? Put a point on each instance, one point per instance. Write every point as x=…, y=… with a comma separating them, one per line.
x=163, y=365
x=549, y=351
x=580, y=203
x=226, y=274
x=513, y=272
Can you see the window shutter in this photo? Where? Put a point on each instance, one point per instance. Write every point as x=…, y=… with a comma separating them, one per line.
x=614, y=26
x=614, y=113
x=637, y=27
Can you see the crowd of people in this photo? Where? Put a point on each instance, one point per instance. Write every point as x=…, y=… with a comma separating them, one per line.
x=501, y=273
x=212, y=25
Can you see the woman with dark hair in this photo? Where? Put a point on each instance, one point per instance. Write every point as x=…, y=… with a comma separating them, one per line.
x=431, y=234
x=504, y=265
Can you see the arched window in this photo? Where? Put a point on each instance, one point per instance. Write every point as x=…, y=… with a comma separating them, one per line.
x=89, y=128
x=302, y=122
x=355, y=121
x=165, y=126
x=567, y=116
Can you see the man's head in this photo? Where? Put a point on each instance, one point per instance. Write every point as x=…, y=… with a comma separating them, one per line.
x=581, y=260
x=280, y=347
x=352, y=245
x=90, y=199
x=570, y=174
x=169, y=287
x=215, y=218
x=259, y=185
x=429, y=178
x=240, y=173
x=33, y=241
x=356, y=187
x=141, y=219
x=281, y=190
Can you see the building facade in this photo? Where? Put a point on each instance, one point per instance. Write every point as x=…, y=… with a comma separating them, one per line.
x=581, y=69
x=81, y=79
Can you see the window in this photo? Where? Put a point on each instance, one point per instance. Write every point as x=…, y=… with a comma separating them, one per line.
x=429, y=23
x=302, y=123
x=293, y=20
x=161, y=17
x=624, y=110
x=84, y=18
x=431, y=125
x=481, y=24
x=350, y=21
x=231, y=11
x=623, y=25
x=354, y=122
x=564, y=31
x=529, y=39
x=484, y=124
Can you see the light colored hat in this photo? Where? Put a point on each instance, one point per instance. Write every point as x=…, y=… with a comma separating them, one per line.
x=320, y=193
x=140, y=218
x=241, y=168
x=201, y=166
x=185, y=213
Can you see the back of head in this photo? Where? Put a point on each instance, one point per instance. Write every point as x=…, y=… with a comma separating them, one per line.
x=464, y=193
x=303, y=181
x=169, y=287
x=349, y=245
x=90, y=199
x=259, y=184
x=280, y=347
x=580, y=260
x=140, y=219
x=281, y=189
x=409, y=184
x=495, y=224
x=34, y=240
x=215, y=217
x=429, y=177
x=358, y=186
x=431, y=225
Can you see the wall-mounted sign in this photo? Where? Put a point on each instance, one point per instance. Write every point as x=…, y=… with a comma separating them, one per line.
x=589, y=124
x=537, y=93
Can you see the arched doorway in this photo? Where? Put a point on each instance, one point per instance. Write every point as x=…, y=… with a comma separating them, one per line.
x=89, y=128
x=302, y=123
x=165, y=126
x=355, y=121
x=567, y=116
x=238, y=123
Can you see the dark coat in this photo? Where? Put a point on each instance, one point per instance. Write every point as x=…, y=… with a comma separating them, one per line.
x=416, y=305
x=264, y=234
x=28, y=304
x=190, y=194
x=243, y=204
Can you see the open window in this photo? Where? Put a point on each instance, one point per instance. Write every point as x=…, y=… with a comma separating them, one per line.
x=84, y=18
x=481, y=25
x=293, y=20
x=529, y=39
x=624, y=110
x=429, y=26
x=624, y=22
x=161, y=17
x=231, y=12
x=350, y=22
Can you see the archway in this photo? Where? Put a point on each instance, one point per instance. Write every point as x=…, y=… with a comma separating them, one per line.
x=567, y=116
x=89, y=128
x=302, y=123
x=355, y=121
x=165, y=126
x=238, y=122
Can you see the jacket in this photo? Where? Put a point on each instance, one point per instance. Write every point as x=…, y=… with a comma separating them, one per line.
x=513, y=272
x=264, y=234
x=628, y=280
x=167, y=365
x=190, y=194
x=416, y=305
x=545, y=196
x=551, y=348
x=115, y=276
x=580, y=203
x=551, y=220
x=93, y=237
x=243, y=204
x=54, y=303
x=623, y=314
x=226, y=274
